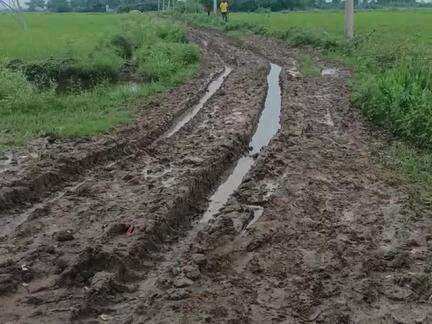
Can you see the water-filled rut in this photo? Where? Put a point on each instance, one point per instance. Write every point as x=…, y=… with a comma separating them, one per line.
x=190, y=114
x=268, y=125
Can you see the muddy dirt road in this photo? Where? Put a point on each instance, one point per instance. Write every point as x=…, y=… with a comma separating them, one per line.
x=248, y=195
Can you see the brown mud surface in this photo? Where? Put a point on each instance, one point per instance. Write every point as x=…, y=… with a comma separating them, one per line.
x=44, y=165
x=316, y=232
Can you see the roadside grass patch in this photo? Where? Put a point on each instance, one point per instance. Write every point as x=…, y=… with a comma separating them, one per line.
x=400, y=100
x=415, y=165
x=307, y=66
x=93, y=87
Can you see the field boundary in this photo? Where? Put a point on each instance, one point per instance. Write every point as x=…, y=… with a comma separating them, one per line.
x=31, y=186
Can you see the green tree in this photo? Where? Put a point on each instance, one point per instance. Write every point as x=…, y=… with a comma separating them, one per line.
x=34, y=5
x=58, y=5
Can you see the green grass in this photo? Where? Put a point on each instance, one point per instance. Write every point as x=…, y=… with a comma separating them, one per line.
x=62, y=77
x=56, y=34
x=307, y=66
x=413, y=164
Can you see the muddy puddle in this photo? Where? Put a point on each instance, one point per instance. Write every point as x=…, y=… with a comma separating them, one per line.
x=329, y=72
x=268, y=125
x=6, y=159
x=188, y=115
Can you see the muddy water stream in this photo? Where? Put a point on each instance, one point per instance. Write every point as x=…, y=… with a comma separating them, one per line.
x=188, y=115
x=268, y=125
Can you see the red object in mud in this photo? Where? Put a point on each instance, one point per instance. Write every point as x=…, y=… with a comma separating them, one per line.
x=130, y=230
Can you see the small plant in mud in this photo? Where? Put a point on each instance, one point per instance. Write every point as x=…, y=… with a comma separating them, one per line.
x=308, y=67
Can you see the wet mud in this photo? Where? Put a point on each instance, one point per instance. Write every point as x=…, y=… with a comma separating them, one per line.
x=268, y=125
x=46, y=165
x=313, y=232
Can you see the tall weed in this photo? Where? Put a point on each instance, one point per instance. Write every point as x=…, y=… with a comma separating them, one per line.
x=400, y=99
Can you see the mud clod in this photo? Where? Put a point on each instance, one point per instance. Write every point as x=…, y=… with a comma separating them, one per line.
x=199, y=259
x=8, y=284
x=178, y=294
x=182, y=282
x=64, y=236
x=192, y=272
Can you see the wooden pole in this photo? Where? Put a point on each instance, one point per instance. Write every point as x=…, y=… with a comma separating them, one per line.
x=349, y=19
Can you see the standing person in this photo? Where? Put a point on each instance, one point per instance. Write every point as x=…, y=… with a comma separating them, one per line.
x=224, y=9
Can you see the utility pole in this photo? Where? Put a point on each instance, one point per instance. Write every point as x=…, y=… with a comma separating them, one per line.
x=158, y=5
x=349, y=19
x=215, y=6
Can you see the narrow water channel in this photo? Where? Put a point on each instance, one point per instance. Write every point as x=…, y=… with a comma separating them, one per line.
x=188, y=115
x=268, y=125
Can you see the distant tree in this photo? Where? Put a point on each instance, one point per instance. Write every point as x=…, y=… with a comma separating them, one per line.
x=34, y=5
x=59, y=5
x=79, y=5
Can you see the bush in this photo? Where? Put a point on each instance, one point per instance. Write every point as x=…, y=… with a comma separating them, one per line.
x=67, y=75
x=123, y=46
x=262, y=10
x=171, y=33
x=159, y=62
x=307, y=37
x=400, y=100
x=13, y=84
x=188, y=7
x=89, y=102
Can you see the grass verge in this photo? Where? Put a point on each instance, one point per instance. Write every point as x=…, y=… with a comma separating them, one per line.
x=94, y=86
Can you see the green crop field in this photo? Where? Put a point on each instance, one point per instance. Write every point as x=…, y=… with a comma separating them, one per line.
x=398, y=24
x=56, y=34
x=69, y=75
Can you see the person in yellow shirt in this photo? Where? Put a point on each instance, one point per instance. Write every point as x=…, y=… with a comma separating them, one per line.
x=224, y=7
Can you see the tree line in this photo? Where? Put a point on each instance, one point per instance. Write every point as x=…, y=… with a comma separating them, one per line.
x=236, y=5
x=91, y=5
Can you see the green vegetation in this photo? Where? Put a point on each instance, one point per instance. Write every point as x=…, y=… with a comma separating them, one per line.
x=75, y=75
x=307, y=66
x=415, y=165
x=51, y=35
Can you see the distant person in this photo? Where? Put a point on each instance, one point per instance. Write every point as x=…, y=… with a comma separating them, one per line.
x=224, y=7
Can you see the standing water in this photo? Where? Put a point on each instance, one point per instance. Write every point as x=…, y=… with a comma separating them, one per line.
x=268, y=125
x=187, y=116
